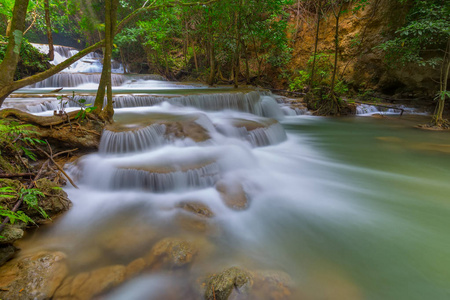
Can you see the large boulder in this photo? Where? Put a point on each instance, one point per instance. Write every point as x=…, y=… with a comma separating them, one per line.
x=35, y=276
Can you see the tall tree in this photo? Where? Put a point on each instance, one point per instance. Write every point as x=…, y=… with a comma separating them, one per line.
x=48, y=23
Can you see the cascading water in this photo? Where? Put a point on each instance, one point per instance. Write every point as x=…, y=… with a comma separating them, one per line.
x=339, y=207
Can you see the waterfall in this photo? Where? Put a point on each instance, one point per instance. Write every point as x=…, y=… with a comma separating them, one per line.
x=250, y=102
x=201, y=177
x=366, y=109
x=265, y=135
x=76, y=79
x=91, y=63
x=133, y=140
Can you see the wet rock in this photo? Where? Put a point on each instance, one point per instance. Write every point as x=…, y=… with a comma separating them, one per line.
x=235, y=283
x=196, y=208
x=127, y=241
x=232, y=283
x=271, y=285
x=135, y=268
x=90, y=284
x=232, y=194
x=176, y=126
x=35, y=276
x=172, y=254
x=6, y=253
x=11, y=233
x=194, y=223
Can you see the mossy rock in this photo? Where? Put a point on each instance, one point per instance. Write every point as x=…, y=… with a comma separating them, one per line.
x=10, y=234
x=220, y=286
x=54, y=202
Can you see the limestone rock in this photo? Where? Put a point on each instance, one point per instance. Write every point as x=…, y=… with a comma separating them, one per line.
x=197, y=208
x=171, y=253
x=134, y=268
x=222, y=286
x=90, y=284
x=11, y=233
x=35, y=276
x=233, y=194
x=127, y=241
x=273, y=285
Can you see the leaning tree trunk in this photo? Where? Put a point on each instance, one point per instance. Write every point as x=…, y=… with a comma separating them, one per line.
x=12, y=53
x=48, y=24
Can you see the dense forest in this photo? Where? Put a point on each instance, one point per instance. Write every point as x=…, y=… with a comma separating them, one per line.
x=326, y=48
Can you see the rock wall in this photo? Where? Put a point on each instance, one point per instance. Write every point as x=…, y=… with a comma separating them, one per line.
x=360, y=64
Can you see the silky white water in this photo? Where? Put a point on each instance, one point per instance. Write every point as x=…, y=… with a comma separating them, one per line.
x=352, y=208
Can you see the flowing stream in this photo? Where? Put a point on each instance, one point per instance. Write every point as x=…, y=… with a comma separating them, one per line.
x=351, y=208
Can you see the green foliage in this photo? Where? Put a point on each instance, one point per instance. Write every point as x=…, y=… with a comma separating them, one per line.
x=9, y=192
x=301, y=81
x=18, y=137
x=426, y=31
x=30, y=197
x=85, y=108
x=31, y=60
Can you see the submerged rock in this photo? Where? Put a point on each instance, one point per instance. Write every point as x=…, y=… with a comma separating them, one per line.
x=35, y=276
x=171, y=254
x=231, y=281
x=87, y=285
x=197, y=208
x=232, y=194
x=235, y=283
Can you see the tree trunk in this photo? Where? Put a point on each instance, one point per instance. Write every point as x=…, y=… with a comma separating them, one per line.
x=316, y=42
x=336, y=46
x=48, y=24
x=105, y=80
x=12, y=53
x=238, y=46
x=212, y=58
x=438, y=119
x=195, y=56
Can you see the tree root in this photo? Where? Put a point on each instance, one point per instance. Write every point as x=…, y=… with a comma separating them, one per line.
x=37, y=120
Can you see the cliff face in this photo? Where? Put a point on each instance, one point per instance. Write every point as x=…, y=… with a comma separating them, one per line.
x=360, y=64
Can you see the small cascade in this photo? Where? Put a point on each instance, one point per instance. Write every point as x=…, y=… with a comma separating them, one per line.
x=270, y=108
x=132, y=140
x=259, y=133
x=368, y=110
x=201, y=177
x=43, y=106
x=76, y=79
x=91, y=63
x=294, y=111
x=272, y=135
